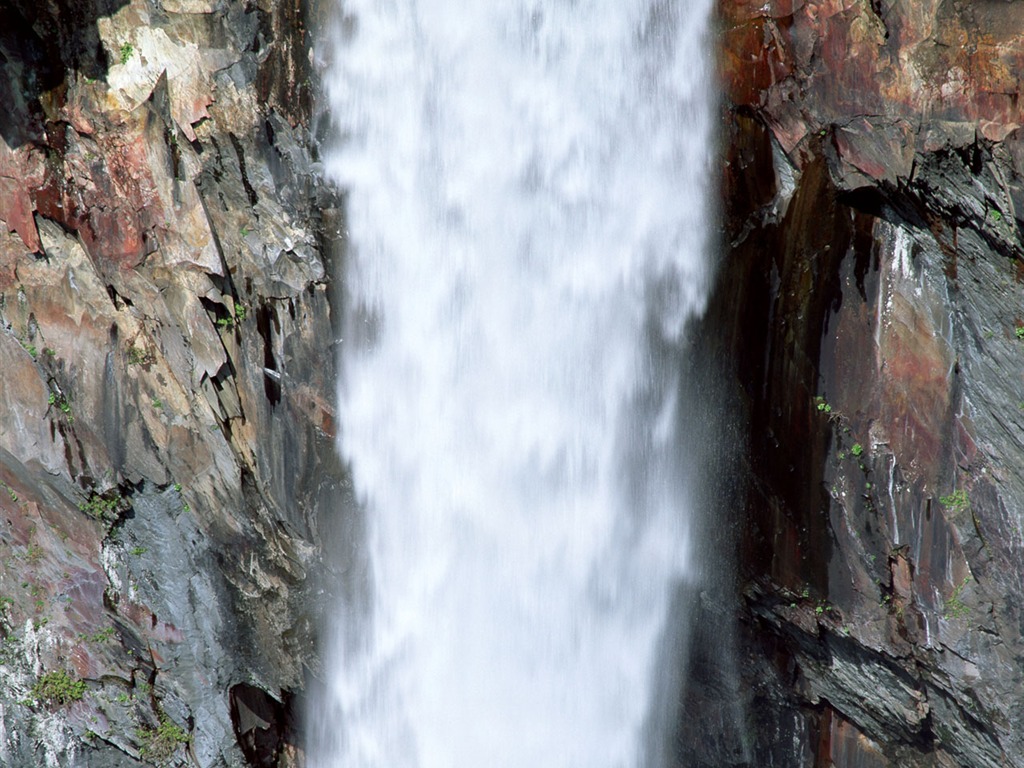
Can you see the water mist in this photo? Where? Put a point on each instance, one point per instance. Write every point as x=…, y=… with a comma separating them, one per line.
x=527, y=226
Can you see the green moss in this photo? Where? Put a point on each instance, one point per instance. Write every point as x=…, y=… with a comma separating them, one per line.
x=955, y=606
x=957, y=501
x=58, y=687
x=140, y=356
x=100, y=508
x=99, y=636
x=157, y=744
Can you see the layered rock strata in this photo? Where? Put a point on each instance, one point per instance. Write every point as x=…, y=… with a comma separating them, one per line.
x=166, y=381
x=871, y=297
x=166, y=385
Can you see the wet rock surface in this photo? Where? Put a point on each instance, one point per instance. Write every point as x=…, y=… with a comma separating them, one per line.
x=166, y=381
x=870, y=299
x=167, y=375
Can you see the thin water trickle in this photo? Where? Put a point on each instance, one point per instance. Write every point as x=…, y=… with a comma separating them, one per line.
x=527, y=215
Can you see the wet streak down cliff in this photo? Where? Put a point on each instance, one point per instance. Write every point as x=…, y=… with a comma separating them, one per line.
x=870, y=302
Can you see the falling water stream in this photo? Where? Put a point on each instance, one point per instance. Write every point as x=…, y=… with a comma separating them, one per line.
x=526, y=205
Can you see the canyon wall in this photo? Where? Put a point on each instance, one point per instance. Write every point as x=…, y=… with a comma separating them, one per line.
x=166, y=381
x=871, y=300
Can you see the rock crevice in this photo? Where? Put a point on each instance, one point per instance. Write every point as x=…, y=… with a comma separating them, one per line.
x=869, y=297
x=166, y=411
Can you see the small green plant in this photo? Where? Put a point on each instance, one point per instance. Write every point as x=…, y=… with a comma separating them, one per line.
x=822, y=405
x=225, y=323
x=138, y=551
x=34, y=553
x=126, y=53
x=955, y=606
x=58, y=687
x=62, y=404
x=857, y=449
x=30, y=348
x=996, y=215
x=957, y=501
x=139, y=356
x=10, y=492
x=177, y=487
x=160, y=743
x=99, y=508
x=100, y=635
x=1020, y=331
x=240, y=312
x=244, y=231
x=158, y=403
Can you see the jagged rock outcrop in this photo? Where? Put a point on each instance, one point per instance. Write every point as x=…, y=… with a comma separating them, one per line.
x=870, y=296
x=166, y=384
x=166, y=381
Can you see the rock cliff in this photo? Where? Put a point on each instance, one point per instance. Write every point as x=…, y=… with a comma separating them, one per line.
x=167, y=385
x=870, y=300
x=166, y=381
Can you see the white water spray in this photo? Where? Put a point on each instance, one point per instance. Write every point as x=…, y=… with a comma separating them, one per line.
x=527, y=215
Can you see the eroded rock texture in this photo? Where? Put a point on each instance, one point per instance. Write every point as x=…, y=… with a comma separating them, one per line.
x=871, y=296
x=166, y=381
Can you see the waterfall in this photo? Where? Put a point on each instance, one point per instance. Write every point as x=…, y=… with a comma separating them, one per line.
x=527, y=213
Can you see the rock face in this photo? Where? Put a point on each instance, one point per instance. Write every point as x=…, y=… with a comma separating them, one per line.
x=167, y=386
x=166, y=381
x=870, y=297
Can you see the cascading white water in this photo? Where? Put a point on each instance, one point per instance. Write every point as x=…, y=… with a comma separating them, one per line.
x=527, y=216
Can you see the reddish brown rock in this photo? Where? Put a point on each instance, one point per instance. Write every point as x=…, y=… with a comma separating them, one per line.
x=870, y=297
x=164, y=403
